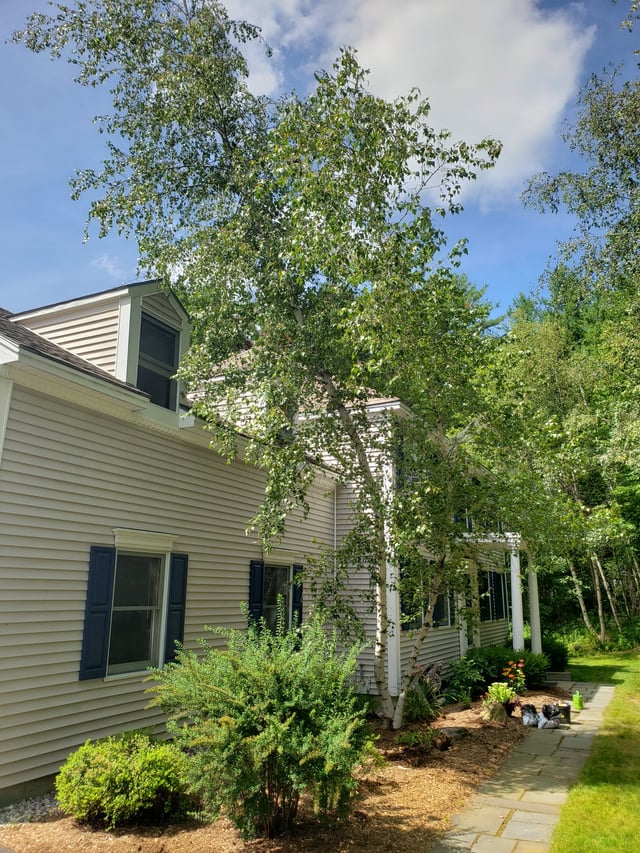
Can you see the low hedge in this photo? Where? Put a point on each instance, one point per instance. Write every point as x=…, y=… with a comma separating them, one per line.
x=126, y=777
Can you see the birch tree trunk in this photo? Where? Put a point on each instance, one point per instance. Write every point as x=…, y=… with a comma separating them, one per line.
x=598, y=566
x=408, y=674
x=596, y=586
x=387, y=708
x=579, y=596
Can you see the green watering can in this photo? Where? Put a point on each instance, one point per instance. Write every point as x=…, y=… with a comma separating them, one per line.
x=578, y=702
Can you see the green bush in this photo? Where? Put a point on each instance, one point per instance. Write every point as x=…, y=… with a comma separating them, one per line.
x=579, y=641
x=493, y=660
x=270, y=718
x=423, y=703
x=557, y=653
x=125, y=777
x=466, y=681
x=421, y=739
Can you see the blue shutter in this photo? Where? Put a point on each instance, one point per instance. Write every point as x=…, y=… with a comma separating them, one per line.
x=256, y=589
x=97, y=615
x=296, y=597
x=176, y=604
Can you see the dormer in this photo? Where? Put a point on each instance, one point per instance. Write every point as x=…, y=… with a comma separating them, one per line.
x=138, y=333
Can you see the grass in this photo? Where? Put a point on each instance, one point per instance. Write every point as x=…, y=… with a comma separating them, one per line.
x=602, y=812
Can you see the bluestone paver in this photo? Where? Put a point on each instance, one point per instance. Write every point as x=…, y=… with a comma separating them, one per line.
x=516, y=811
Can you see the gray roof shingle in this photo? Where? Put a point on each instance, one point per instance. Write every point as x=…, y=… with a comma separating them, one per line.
x=35, y=343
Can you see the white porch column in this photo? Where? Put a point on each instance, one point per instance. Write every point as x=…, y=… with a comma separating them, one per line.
x=534, y=612
x=517, y=613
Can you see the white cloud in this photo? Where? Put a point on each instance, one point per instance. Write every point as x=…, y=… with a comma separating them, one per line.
x=110, y=265
x=504, y=68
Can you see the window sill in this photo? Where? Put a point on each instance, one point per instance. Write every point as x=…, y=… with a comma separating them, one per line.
x=124, y=676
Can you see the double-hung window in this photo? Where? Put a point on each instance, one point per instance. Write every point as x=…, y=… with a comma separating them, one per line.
x=443, y=613
x=158, y=361
x=136, y=614
x=272, y=585
x=492, y=587
x=135, y=607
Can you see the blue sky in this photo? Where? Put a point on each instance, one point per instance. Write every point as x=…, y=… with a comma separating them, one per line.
x=507, y=68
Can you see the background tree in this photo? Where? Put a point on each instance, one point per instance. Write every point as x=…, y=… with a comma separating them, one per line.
x=297, y=232
x=593, y=304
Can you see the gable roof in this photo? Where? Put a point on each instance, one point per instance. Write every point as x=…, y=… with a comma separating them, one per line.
x=35, y=343
x=143, y=287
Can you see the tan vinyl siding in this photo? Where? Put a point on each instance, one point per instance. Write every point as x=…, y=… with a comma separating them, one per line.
x=161, y=308
x=89, y=331
x=68, y=477
x=441, y=644
x=360, y=590
x=494, y=633
x=491, y=559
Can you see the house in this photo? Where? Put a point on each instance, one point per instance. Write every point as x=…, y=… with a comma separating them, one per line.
x=122, y=531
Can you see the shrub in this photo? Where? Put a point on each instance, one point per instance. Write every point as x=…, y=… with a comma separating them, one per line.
x=535, y=669
x=125, y=777
x=557, y=653
x=493, y=660
x=270, y=718
x=423, y=703
x=424, y=700
x=421, y=739
x=466, y=681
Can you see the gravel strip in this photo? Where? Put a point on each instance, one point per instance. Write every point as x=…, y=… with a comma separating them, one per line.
x=30, y=811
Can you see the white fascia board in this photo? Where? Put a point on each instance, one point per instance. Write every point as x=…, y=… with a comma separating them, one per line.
x=47, y=377
x=89, y=392
x=95, y=299
x=497, y=541
x=385, y=406
x=6, y=387
x=124, y=356
x=9, y=351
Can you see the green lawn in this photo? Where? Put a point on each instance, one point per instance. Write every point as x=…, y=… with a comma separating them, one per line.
x=603, y=810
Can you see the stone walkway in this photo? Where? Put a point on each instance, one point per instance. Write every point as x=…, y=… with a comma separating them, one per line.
x=516, y=811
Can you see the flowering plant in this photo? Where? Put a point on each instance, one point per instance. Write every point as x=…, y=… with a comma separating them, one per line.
x=514, y=673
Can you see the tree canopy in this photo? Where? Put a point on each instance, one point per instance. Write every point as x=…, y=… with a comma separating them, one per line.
x=304, y=236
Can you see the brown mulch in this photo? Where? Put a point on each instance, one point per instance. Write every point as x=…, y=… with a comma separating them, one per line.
x=404, y=806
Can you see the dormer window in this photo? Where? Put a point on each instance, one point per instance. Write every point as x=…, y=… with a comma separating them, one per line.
x=158, y=361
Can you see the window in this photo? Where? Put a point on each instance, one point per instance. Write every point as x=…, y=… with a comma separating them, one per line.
x=158, y=361
x=492, y=587
x=413, y=606
x=136, y=616
x=443, y=610
x=267, y=582
x=464, y=521
x=134, y=611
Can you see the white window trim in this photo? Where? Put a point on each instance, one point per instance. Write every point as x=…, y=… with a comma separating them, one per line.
x=144, y=541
